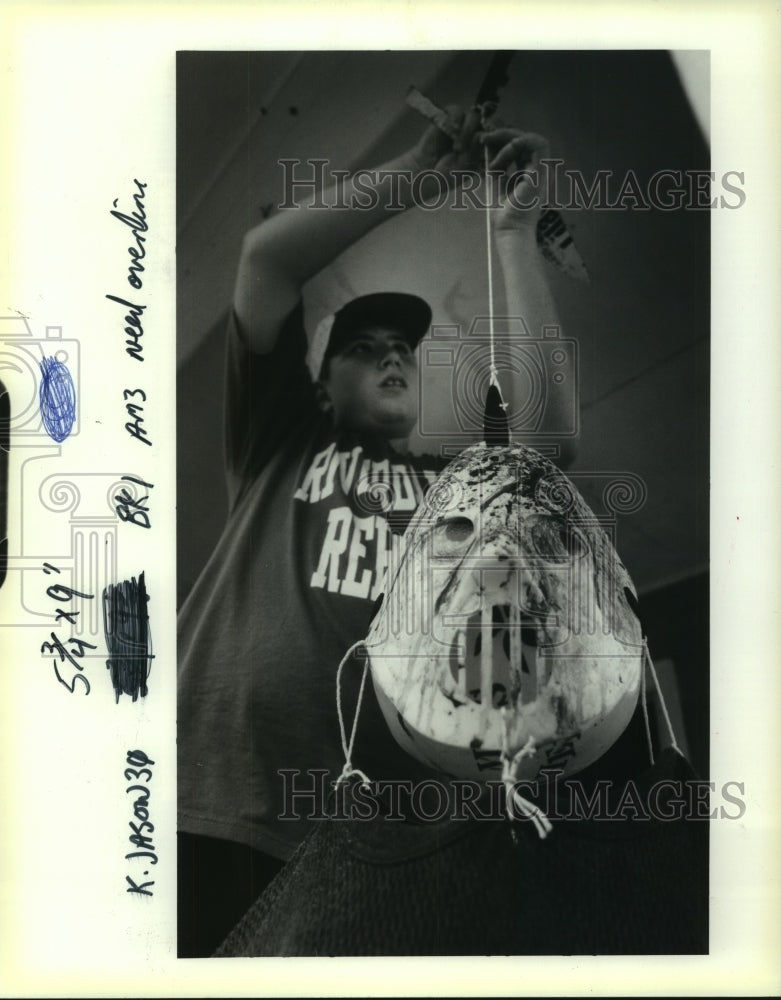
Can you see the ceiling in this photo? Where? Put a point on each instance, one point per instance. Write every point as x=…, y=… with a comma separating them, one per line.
x=642, y=325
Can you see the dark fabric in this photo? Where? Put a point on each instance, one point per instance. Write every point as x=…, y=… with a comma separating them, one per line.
x=218, y=880
x=469, y=887
x=290, y=587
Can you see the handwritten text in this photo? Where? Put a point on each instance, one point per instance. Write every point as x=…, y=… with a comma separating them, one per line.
x=136, y=220
x=131, y=509
x=59, y=592
x=139, y=772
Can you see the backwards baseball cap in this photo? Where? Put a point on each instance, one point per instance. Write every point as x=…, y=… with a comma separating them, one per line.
x=408, y=314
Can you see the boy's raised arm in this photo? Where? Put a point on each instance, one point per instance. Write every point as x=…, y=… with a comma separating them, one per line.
x=523, y=267
x=282, y=253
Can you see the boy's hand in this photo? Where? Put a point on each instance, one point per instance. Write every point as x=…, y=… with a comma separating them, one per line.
x=437, y=151
x=517, y=154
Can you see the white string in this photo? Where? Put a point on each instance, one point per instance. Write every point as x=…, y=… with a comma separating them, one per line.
x=513, y=797
x=665, y=713
x=645, y=713
x=643, y=693
x=347, y=748
x=489, y=258
x=494, y=375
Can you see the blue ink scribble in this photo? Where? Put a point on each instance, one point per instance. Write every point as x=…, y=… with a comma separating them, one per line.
x=126, y=628
x=57, y=398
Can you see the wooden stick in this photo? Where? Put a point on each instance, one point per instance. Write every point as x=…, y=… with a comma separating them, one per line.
x=420, y=103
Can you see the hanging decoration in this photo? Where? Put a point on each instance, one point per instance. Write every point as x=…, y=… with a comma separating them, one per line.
x=507, y=640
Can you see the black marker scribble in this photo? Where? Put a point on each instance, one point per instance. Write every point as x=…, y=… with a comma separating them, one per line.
x=126, y=628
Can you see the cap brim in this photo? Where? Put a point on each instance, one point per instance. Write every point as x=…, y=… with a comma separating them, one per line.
x=408, y=314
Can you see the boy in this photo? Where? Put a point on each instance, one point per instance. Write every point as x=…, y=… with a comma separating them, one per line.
x=319, y=481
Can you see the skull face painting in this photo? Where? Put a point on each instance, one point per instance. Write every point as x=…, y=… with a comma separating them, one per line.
x=509, y=623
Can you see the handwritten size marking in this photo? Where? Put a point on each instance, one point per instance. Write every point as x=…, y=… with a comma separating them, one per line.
x=59, y=592
x=57, y=399
x=126, y=628
x=130, y=509
x=136, y=220
x=138, y=774
x=135, y=426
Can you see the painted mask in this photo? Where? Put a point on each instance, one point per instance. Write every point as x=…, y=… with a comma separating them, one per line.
x=509, y=623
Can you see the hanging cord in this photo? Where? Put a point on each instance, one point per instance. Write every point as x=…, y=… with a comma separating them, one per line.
x=496, y=431
x=514, y=799
x=348, y=771
x=494, y=378
x=486, y=110
x=647, y=661
x=665, y=713
x=644, y=703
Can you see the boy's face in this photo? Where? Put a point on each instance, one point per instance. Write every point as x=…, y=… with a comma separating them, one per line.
x=372, y=384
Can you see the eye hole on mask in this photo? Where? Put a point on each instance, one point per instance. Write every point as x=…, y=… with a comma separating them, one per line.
x=453, y=535
x=459, y=529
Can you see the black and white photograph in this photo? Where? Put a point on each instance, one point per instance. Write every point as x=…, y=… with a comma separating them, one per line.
x=389, y=412
x=444, y=603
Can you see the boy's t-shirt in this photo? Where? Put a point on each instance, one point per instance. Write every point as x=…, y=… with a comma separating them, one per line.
x=291, y=585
